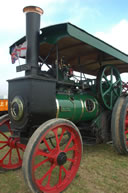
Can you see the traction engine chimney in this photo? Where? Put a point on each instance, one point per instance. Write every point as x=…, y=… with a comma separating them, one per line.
x=32, y=37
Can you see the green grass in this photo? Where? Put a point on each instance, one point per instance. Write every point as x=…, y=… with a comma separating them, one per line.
x=102, y=170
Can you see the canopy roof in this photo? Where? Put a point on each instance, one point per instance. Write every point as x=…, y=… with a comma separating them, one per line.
x=84, y=52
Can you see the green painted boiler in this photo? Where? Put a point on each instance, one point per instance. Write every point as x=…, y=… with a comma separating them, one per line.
x=76, y=107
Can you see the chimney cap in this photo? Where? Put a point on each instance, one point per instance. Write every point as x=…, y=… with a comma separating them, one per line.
x=34, y=9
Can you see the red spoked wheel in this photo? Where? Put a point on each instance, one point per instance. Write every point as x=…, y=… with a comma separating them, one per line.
x=52, y=156
x=11, y=150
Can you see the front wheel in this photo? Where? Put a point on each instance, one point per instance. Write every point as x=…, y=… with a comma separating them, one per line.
x=52, y=156
x=11, y=149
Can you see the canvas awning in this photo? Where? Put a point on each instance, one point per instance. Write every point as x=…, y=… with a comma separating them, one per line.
x=84, y=52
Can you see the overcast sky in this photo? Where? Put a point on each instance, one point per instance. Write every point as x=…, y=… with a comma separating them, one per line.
x=106, y=19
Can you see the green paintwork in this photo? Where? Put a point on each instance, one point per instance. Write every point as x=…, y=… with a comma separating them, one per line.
x=110, y=89
x=95, y=42
x=84, y=52
x=73, y=107
x=53, y=34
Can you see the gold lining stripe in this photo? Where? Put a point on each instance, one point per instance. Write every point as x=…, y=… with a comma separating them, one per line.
x=57, y=108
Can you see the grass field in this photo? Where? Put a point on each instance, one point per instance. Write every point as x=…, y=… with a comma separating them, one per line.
x=102, y=170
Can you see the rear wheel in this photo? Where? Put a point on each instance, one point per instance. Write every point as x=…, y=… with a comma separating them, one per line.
x=11, y=150
x=123, y=126
x=52, y=156
x=119, y=125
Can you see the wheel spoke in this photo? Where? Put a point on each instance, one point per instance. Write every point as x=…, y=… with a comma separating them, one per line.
x=6, y=154
x=4, y=135
x=61, y=136
x=10, y=156
x=65, y=171
x=115, y=83
x=3, y=146
x=49, y=178
x=105, y=77
x=111, y=75
x=114, y=90
x=3, y=141
x=8, y=125
x=4, y=122
x=60, y=174
x=73, y=148
x=107, y=91
x=41, y=163
x=71, y=160
x=46, y=174
x=69, y=142
x=21, y=146
x=111, y=99
x=18, y=153
x=42, y=153
x=57, y=139
x=46, y=143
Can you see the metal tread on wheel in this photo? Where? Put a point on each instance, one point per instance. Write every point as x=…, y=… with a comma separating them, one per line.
x=51, y=167
x=119, y=125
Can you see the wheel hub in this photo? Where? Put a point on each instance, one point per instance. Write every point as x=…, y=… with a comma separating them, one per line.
x=12, y=142
x=62, y=158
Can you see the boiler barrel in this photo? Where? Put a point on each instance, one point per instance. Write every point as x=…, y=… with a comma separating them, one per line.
x=77, y=107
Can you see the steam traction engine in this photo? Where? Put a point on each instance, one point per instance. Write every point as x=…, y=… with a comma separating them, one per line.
x=49, y=108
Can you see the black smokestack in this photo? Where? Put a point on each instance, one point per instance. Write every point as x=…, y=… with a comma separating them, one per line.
x=32, y=36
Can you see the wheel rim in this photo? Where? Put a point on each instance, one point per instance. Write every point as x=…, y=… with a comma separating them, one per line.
x=126, y=129
x=11, y=150
x=110, y=86
x=62, y=160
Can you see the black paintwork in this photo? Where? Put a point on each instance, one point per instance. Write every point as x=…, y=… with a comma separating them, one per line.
x=32, y=37
x=38, y=96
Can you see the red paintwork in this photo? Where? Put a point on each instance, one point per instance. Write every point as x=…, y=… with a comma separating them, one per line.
x=11, y=158
x=51, y=158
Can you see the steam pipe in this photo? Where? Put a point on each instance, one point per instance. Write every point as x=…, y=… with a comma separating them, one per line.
x=32, y=37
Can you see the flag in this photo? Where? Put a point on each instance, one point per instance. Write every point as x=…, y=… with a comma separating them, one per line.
x=18, y=51
x=23, y=49
x=14, y=55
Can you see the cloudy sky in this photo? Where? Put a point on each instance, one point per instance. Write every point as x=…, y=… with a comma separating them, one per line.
x=106, y=19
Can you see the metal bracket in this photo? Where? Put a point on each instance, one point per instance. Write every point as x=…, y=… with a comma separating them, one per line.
x=23, y=67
